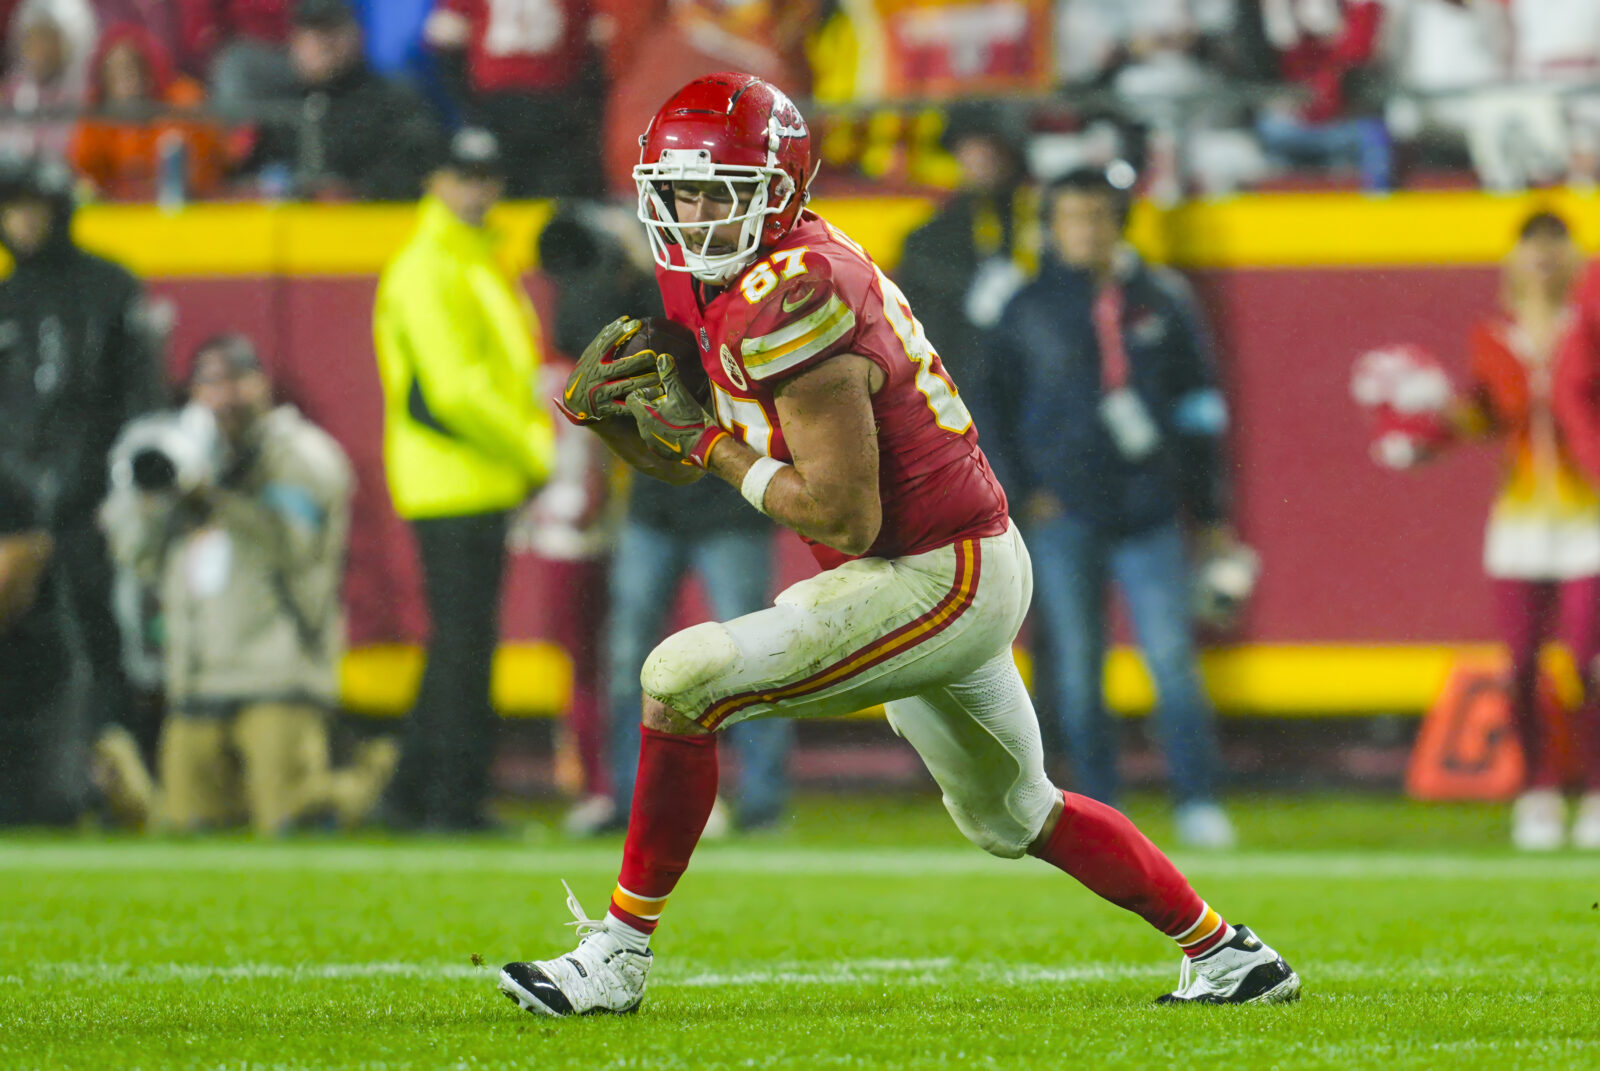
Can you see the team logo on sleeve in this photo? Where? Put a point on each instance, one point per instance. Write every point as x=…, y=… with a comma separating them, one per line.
x=731, y=367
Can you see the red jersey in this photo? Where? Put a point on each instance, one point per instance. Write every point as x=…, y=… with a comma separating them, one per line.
x=1576, y=390
x=206, y=25
x=522, y=46
x=817, y=294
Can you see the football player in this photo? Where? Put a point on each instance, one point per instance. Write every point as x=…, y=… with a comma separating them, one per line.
x=833, y=415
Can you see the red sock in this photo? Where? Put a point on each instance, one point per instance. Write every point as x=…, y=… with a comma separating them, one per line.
x=1100, y=847
x=1533, y=735
x=672, y=798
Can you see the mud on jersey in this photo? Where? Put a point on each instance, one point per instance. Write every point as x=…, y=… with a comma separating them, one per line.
x=814, y=295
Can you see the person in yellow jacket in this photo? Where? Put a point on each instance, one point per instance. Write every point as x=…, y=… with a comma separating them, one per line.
x=466, y=440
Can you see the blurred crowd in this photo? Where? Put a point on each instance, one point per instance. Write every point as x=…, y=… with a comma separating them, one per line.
x=172, y=545
x=327, y=99
x=204, y=522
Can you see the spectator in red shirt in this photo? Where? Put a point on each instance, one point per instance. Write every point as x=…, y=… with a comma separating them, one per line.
x=118, y=148
x=1324, y=47
x=240, y=46
x=527, y=71
x=156, y=17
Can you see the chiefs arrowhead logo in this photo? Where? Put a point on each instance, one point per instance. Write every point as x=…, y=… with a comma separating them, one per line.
x=731, y=367
x=785, y=120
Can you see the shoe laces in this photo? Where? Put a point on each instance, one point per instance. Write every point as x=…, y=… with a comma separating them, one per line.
x=581, y=922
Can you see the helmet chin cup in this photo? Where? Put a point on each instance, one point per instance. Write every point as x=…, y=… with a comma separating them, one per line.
x=714, y=270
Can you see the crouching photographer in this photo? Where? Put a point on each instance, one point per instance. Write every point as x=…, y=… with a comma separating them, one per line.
x=236, y=512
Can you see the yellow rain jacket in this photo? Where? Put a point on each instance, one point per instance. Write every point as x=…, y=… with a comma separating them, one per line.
x=465, y=430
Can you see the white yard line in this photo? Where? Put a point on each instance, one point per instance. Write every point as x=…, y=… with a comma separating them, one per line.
x=129, y=857
x=901, y=972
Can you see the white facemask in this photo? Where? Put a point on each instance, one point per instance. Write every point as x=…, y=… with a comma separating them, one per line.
x=747, y=186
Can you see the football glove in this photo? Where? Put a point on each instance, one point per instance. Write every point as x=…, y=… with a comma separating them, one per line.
x=598, y=385
x=671, y=423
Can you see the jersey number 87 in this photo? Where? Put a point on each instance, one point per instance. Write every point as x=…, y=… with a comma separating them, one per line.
x=746, y=419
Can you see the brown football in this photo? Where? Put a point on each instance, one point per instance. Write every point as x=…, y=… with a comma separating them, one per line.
x=667, y=336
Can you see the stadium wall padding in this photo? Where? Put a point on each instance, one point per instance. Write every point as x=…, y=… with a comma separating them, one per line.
x=1371, y=578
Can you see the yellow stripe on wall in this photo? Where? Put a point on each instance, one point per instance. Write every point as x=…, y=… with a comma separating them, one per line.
x=1271, y=230
x=530, y=679
x=261, y=239
x=203, y=240
x=1293, y=680
x=1297, y=230
x=1268, y=680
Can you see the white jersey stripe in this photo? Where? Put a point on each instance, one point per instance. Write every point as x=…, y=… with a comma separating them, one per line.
x=779, y=358
x=755, y=347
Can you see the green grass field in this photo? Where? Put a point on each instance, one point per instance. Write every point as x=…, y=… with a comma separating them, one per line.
x=867, y=935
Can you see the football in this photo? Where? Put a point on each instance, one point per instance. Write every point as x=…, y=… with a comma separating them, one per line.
x=667, y=336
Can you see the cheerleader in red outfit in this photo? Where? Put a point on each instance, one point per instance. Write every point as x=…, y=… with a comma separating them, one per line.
x=1542, y=545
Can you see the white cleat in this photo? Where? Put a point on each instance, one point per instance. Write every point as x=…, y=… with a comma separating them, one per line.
x=1538, y=820
x=1586, y=825
x=1242, y=971
x=600, y=976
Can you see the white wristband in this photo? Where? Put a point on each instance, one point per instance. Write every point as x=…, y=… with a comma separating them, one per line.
x=756, y=479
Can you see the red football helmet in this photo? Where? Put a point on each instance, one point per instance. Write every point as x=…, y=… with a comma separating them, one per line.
x=737, y=129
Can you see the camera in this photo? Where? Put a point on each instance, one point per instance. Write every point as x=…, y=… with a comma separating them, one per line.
x=1224, y=581
x=178, y=450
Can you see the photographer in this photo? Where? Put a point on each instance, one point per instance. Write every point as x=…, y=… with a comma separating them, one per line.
x=237, y=513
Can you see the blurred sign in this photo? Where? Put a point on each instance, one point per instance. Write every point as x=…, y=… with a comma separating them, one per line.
x=1467, y=748
x=944, y=48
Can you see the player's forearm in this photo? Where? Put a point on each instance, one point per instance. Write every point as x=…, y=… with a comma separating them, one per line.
x=834, y=515
x=621, y=437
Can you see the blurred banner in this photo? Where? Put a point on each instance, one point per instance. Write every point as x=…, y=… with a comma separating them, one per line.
x=940, y=48
x=936, y=49
x=1467, y=748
